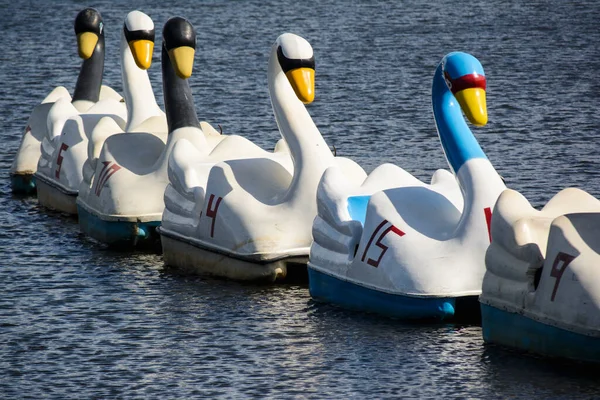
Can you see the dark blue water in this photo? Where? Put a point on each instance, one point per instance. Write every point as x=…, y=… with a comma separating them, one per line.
x=80, y=321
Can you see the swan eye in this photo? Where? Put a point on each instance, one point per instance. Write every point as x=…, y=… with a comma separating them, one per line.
x=288, y=64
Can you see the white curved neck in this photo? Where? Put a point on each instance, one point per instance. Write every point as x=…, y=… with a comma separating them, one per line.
x=139, y=96
x=310, y=154
x=481, y=186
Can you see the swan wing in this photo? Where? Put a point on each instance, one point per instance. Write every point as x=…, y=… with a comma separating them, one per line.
x=59, y=92
x=156, y=125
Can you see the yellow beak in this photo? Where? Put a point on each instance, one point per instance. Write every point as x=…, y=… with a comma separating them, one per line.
x=142, y=52
x=182, y=59
x=303, y=82
x=472, y=102
x=86, y=43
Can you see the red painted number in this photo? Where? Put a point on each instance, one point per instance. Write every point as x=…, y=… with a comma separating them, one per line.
x=106, y=172
x=212, y=212
x=60, y=158
x=378, y=243
x=488, y=220
x=562, y=259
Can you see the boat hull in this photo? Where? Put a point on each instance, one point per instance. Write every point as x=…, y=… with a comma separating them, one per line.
x=54, y=198
x=523, y=333
x=193, y=259
x=330, y=289
x=118, y=233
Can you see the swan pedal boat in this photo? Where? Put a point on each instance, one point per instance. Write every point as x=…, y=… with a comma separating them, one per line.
x=122, y=202
x=541, y=290
x=250, y=219
x=402, y=248
x=88, y=23
x=72, y=154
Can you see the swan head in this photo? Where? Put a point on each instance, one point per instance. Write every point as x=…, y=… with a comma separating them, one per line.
x=139, y=33
x=465, y=78
x=89, y=27
x=297, y=61
x=179, y=39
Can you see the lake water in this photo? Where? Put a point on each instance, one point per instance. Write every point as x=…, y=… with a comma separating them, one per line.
x=78, y=320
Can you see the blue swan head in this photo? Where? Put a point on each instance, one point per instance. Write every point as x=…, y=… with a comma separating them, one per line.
x=459, y=84
x=465, y=78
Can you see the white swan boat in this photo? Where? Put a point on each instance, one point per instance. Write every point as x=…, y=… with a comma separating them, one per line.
x=400, y=247
x=69, y=158
x=541, y=290
x=89, y=29
x=121, y=204
x=250, y=219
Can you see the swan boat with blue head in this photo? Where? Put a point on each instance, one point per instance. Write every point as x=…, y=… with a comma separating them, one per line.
x=541, y=289
x=250, y=219
x=89, y=29
x=396, y=246
x=122, y=202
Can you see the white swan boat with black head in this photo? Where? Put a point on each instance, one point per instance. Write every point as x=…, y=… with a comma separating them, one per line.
x=89, y=29
x=122, y=203
x=541, y=290
x=83, y=134
x=402, y=248
x=250, y=219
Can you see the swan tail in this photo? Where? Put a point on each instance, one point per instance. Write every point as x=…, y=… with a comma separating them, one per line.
x=181, y=213
x=336, y=233
x=29, y=151
x=60, y=111
x=182, y=169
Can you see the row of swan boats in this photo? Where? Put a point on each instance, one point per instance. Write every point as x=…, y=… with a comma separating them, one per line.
x=384, y=243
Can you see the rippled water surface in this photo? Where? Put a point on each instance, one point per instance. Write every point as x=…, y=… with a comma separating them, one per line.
x=80, y=321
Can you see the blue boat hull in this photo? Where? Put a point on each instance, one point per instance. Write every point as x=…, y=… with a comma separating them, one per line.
x=119, y=233
x=23, y=184
x=327, y=288
x=517, y=331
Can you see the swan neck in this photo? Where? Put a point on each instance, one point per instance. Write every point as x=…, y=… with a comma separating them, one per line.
x=457, y=140
x=89, y=80
x=137, y=89
x=309, y=152
x=179, y=103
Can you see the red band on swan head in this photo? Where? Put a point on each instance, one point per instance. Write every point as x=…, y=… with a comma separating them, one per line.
x=465, y=82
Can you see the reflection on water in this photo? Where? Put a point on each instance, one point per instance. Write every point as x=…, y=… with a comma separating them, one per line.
x=80, y=321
